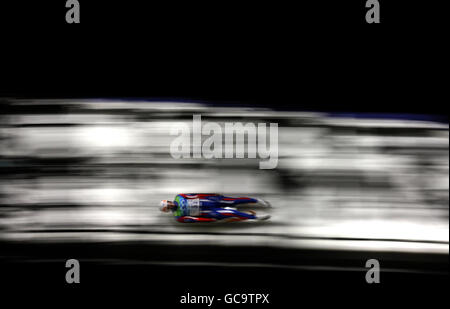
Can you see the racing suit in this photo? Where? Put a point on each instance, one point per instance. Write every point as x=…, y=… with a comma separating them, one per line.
x=209, y=207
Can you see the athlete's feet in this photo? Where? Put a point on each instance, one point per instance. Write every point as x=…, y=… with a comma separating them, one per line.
x=260, y=217
x=263, y=217
x=264, y=203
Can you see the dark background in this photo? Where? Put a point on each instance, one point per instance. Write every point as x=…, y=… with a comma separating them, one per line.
x=317, y=55
x=308, y=55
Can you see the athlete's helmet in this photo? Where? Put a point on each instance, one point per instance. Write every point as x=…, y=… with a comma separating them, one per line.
x=163, y=206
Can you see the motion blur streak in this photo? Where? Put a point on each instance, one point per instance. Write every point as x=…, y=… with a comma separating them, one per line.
x=94, y=170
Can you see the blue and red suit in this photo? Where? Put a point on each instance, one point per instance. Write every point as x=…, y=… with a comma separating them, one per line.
x=201, y=207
